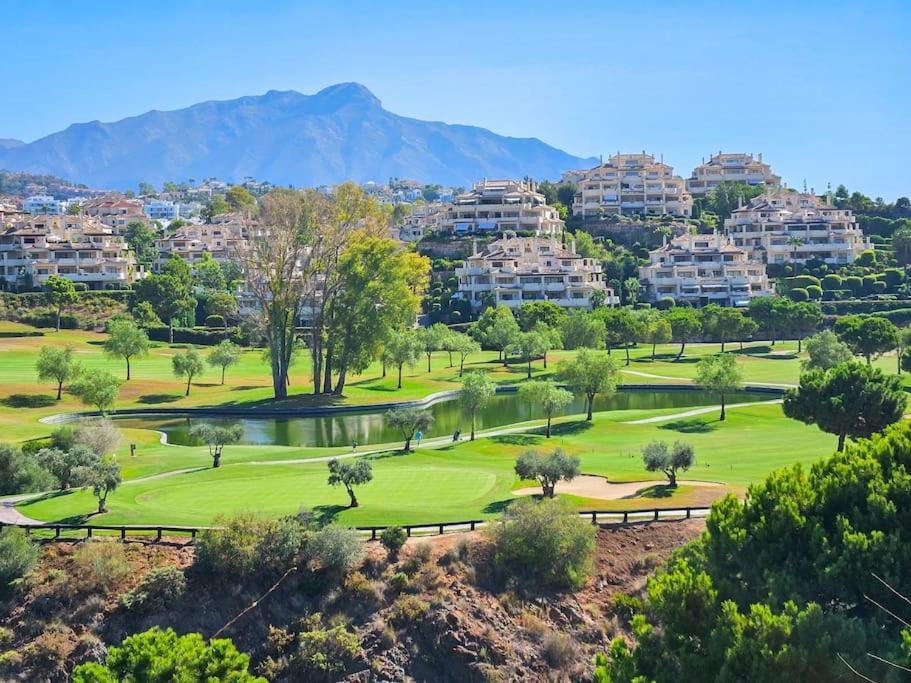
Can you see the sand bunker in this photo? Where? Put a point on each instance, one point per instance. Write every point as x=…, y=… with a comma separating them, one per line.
x=591, y=486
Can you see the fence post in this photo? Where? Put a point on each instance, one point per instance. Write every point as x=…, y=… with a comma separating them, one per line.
x=594, y=518
x=88, y=532
x=373, y=534
x=625, y=517
x=441, y=529
x=193, y=534
x=56, y=532
x=688, y=512
x=656, y=514
x=472, y=525
x=408, y=531
x=123, y=534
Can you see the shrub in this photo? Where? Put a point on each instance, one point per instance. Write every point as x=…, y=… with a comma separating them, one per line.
x=335, y=548
x=247, y=545
x=17, y=555
x=664, y=303
x=408, y=610
x=814, y=292
x=311, y=652
x=20, y=472
x=393, y=538
x=799, y=294
x=625, y=606
x=215, y=321
x=399, y=582
x=546, y=543
x=558, y=650
x=98, y=567
x=160, y=587
x=831, y=282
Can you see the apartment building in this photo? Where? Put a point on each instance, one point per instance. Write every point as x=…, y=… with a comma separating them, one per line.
x=78, y=248
x=423, y=219
x=114, y=211
x=162, y=210
x=515, y=270
x=734, y=167
x=784, y=227
x=704, y=269
x=191, y=242
x=629, y=184
x=43, y=204
x=501, y=205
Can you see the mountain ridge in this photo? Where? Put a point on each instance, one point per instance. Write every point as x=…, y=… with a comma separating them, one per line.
x=340, y=133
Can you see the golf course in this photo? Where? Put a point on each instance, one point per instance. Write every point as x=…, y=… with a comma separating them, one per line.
x=439, y=480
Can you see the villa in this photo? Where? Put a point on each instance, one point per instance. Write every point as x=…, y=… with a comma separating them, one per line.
x=497, y=206
x=731, y=168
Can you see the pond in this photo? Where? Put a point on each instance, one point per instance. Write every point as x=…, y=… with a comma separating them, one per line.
x=370, y=427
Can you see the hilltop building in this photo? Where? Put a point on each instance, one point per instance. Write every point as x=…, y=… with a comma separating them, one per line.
x=732, y=168
x=115, y=211
x=628, y=184
x=515, y=270
x=493, y=206
x=704, y=269
x=785, y=227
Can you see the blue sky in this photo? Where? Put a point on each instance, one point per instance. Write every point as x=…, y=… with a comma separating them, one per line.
x=822, y=88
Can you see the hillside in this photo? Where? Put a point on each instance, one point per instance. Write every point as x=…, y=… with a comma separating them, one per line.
x=340, y=133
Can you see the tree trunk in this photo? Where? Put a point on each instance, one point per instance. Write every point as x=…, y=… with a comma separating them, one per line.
x=170, y=330
x=59, y=313
x=450, y=359
x=841, y=443
x=189, y=379
x=216, y=458
x=722, y=346
x=591, y=399
x=869, y=361
x=627, y=354
x=461, y=367
x=353, y=498
x=408, y=445
x=682, y=347
x=327, y=372
x=672, y=476
x=428, y=362
x=102, y=508
x=653, y=351
x=529, y=369
x=59, y=390
x=799, y=344
x=340, y=384
x=741, y=345
x=505, y=359
x=547, y=433
x=721, y=419
x=222, y=375
x=472, y=425
x=400, y=378
x=545, y=360
x=128, y=368
x=384, y=369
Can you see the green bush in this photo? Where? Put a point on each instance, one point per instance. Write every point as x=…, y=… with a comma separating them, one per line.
x=802, y=282
x=246, y=545
x=831, y=282
x=98, y=567
x=215, y=321
x=310, y=651
x=879, y=287
x=159, y=588
x=17, y=556
x=544, y=543
x=799, y=294
x=20, y=472
x=335, y=548
x=814, y=292
x=393, y=538
x=854, y=284
x=408, y=610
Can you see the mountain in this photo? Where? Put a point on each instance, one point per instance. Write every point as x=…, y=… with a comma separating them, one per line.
x=10, y=143
x=340, y=133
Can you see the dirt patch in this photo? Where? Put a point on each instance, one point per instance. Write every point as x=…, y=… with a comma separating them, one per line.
x=592, y=486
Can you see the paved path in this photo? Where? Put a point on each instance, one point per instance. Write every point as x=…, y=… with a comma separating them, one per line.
x=687, y=380
x=10, y=515
x=698, y=411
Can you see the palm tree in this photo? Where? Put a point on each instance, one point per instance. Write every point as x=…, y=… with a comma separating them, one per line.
x=795, y=242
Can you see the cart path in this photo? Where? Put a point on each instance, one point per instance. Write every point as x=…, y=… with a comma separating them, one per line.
x=699, y=411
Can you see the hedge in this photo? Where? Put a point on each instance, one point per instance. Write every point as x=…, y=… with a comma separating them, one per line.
x=190, y=335
x=864, y=306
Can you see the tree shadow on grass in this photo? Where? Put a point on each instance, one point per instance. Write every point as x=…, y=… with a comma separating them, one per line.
x=326, y=514
x=656, y=491
x=574, y=427
x=517, y=439
x=658, y=357
x=498, y=506
x=689, y=426
x=246, y=387
x=155, y=399
x=29, y=401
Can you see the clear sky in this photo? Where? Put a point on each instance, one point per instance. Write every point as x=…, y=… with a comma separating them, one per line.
x=823, y=88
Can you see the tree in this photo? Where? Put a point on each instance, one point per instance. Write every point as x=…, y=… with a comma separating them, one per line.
x=97, y=434
x=719, y=374
x=103, y=477
x=350, y=475
x=409, y=420
x=622, y=328
x=207, y=274
x=850, y=399
x=65, y=465
x=223, y=356
x=721, y=323
x=187, y=364
x=57, y=364
x=552, y=337
x=140, y=237
x=98, y=388
x=657, y=331
x=239, y=198
x=803, y=319
x=746, y=328
x=547, y=469
x=659, y=458
x=60, y=294
x=548, y=395
x=904, y=343
x=401, y=348
x=477, y=390
x=901, y=243
x=126, y=340
x=770, y=314
x=464, y=346
x=21, y=473
x=216, y=207
x=216, y=438
x=633, y=288
x=496, y=329
x=867, y=336
x=527, y=346
x=685, y=325
x=826, y=351
x=157, y=656
x=432, y=339
x=169, y=296
x=722, y=199
x=144, y=315
x=582, y=330
x=590, y=373
x=531, y=313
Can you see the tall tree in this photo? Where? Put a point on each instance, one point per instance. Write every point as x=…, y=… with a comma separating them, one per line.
x=719, y=374
x=552, y=338
x=58, y=364
x=622, y=328
x=60, y=294
x=546, y=394
x=528, y=346
x=657, y=331
x=685, y=325
x=496, y=329
x=867, y=336
x=187, y=364
x=477, y=390
x=582, y=330
x=850, y=399
x=804, y=319
x=402, y=348
x=590, y=373
x=169, y=295
x=140, y=237
x=126, y=340
x=223, y=356
x=721, y=323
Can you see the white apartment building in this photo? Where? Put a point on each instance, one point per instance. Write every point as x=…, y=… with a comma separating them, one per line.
x=114, y=211
x=704, y=269
x=75, y=247
x=501, y=205
x=734, y=167
x=191, y=242
x=785, y=227
x=162, y=210
x=627, y=184
x=43, y=204
x=515, y=270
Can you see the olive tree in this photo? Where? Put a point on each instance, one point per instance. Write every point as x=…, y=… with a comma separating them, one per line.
x=103, y=477
x=590, y=373
x=464, y=346
x=58, y=364
x=126, y=340
x=659, y=457
x=477, y=390
x=719, y=374
x=548, y=469
x=403, y=348
x=98, y=388
x=409, y=420
x=65, y=464
x=527, y=346
x=216, y=438
x=60, y=294
x=349, y=475
x=187, y=364
x=548, y=395
x=223, y=356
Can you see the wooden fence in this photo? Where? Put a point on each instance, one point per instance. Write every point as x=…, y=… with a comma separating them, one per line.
x=434, y=528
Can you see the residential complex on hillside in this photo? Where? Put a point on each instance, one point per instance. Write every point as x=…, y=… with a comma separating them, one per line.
x=628, y=184
x=78, y=248
x=784, y=227
x=515, y=270
x=703, y=269
x=732, y=168
x=499, y=205
x=114, y=211
x=191, y=242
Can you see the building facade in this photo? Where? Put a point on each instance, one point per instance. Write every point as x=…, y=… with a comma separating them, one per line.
x=732, y=168
x=515, y=270
x=161, y=210
x=501, y=205
x=785, y=227
x=704, y=269
x=630, y=184
x=115, y=211
x=191, y=242
x=78, y=248
x=44, y=205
